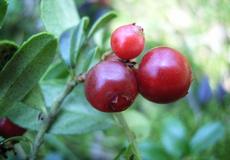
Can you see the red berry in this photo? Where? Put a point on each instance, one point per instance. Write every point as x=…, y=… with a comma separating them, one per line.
x=9, y=129
x=128, y=41
x=110, y=86
x=164, y=75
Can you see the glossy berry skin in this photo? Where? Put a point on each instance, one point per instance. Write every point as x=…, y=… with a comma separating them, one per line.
x=110, y=86
x=164, y=75
x=9, y=129
x=128, y=41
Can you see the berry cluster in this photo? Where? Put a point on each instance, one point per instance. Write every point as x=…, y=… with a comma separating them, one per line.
x=163, y=76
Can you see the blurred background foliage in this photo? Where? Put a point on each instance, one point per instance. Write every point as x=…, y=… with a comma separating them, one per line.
x=196, y=127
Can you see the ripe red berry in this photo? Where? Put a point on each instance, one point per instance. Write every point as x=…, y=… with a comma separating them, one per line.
x=128, y=41
x=9, y=129
x=110, y=86
x=164, y=75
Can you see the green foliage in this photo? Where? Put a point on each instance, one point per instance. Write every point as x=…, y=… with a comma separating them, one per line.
x=174, y=138
x=141, y=126
x=207, y=136
x=101, y=22
x=62, y=16
x=35, y=99
x=149, y=149
x=71, y=42
x=3, y=9
x=76, y=110
x=31, y=60
x=7, y=50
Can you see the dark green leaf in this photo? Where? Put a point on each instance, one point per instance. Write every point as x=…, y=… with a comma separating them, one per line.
x=101, y=22
x=35, y=99
x=25, y=69
x=7, y=50
x=3, y=9
x=71, y=42
x=77, y=116
x=207, y=136
x=58, y=16
x=174, y=137
x=57, y=70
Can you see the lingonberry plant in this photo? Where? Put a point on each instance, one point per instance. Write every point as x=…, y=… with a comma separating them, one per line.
x=43, y=92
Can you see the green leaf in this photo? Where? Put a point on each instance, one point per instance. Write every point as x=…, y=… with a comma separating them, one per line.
x=150, y=149
x=141, y=125
x=77, y=116
x=25, y=69
x=84, y=60
x=3, y=9
x=7, y=50
x=174, y=137
x=58, y=15
x=126, y=153
x=35, y=99
x=94, y=58
x=25, y=116
x=71, y=42
x=60, y=146
x=207, y=136
x=101, y=22
x=57, y=70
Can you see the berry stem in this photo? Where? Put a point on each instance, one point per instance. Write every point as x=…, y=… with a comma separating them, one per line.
x=130, y=135
x=50, y=118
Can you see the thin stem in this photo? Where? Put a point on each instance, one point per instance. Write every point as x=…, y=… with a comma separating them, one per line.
x=130, y=135
x=50, y=118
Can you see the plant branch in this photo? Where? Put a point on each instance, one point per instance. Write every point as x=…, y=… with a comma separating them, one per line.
x=48, y=121
x=130, y=135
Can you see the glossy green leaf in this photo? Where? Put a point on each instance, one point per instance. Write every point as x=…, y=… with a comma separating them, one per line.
x=174, y=137
x=77, y=116
x=58, y=15
x=3, y=9
x=35, y=99
x=71, y=42
x=207, y=136
x=101, y=22
x=7, y=50
x=26, y=68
